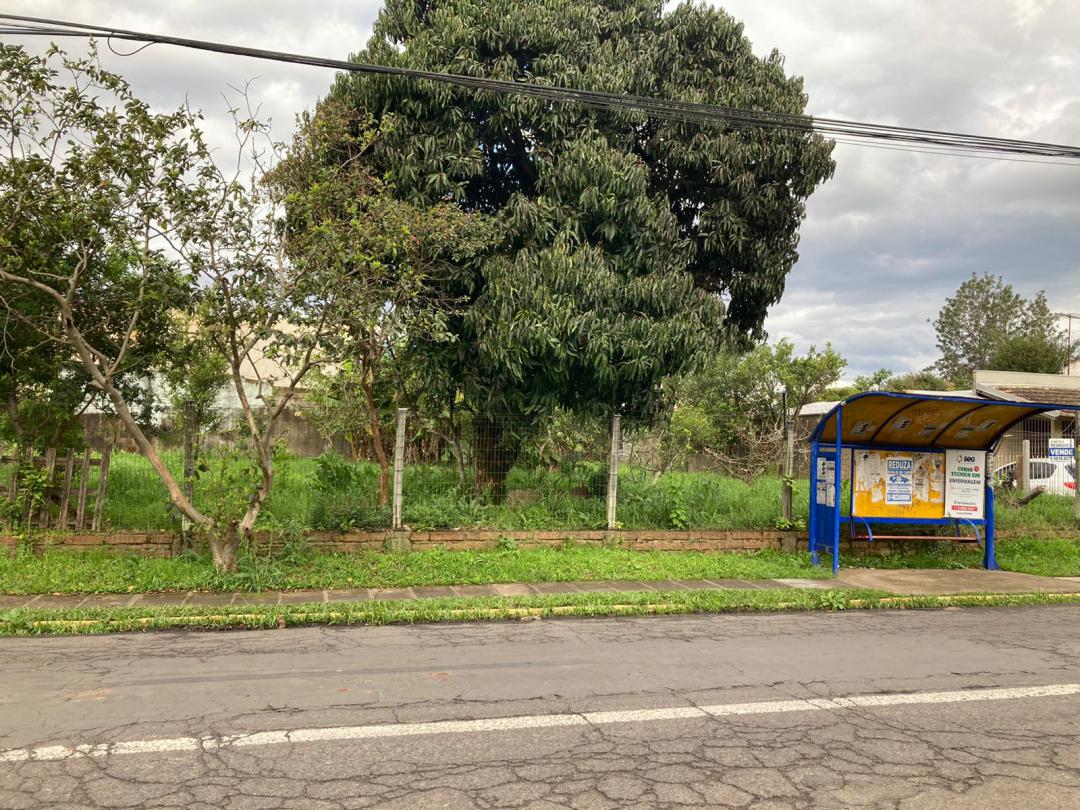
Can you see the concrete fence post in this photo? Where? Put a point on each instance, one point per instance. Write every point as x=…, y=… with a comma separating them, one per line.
x=789, y=464
x=613, y=471
x=1023, y=468
x=399, y=465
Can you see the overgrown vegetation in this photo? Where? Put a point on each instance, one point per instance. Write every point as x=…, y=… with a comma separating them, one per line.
x=297, y=567
x=629, y=251
x=334, y=494
x=733, y=410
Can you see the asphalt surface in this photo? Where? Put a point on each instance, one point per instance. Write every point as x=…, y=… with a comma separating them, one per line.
x=224, y=703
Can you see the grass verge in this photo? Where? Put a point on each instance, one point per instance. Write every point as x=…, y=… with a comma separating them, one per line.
x=98, y=620
x=299, y=568
x=1051, y=557
x=118, y=620
x=99, y=571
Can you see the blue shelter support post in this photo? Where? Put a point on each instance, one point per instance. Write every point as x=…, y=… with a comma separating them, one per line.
x=989, y=557
x=812, y=524
x=851, y=494
x=838, y=474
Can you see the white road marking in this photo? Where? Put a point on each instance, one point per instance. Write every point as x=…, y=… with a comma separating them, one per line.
x=52, y=753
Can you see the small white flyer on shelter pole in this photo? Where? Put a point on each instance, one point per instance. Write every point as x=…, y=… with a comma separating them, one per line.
x=965, y=483
x=826, y=482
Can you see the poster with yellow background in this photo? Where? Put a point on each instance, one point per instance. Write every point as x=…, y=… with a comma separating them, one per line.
x=897, y=484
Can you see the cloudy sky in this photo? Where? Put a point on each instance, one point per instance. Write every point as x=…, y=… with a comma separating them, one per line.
x=885, y=241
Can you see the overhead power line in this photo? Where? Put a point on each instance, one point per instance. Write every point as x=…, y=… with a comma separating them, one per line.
x=860, y=133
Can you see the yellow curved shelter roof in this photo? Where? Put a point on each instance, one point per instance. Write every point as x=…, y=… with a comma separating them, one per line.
x=884, y=419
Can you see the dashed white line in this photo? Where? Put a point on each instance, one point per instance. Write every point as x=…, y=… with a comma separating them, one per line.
x=52, y=753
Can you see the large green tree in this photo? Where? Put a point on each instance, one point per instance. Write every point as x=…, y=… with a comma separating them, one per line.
x=987, y=320
x=631, y=246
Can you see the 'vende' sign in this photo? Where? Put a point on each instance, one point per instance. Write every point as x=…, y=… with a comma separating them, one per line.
x=1061, y=448
x=965, y=481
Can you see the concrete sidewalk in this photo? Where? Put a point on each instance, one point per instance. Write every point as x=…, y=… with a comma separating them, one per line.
x=916, y=582
x=946, y=582
x=170, y=599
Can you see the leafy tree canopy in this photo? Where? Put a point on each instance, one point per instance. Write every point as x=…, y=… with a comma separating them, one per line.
x=394, y=262
x=864, y=382
x=925, y=380
x=622, y=236
x=985, y=314
x=1030, y=352
x=75, y=220
x=884, y=380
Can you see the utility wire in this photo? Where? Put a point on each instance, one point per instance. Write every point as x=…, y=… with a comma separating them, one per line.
x=952, y=153
x=685, y=112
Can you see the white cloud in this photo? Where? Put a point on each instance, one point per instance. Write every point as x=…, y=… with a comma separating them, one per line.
x=893, y=233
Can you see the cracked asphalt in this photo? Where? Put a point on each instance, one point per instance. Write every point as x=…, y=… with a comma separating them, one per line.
x=1009, y=753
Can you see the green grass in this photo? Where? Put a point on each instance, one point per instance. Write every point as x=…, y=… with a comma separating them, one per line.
x=24, y=622
x=1045, y=514
x=1049, y=557
x=136, y=498
x=99, y=571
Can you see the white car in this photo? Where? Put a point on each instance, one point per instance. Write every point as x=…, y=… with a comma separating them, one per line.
x=1057, y=476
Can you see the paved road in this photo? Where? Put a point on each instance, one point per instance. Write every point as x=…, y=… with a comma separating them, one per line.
x=751, y=711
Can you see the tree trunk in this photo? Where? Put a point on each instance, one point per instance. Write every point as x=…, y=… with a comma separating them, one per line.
x=176, y=493
x=58, y=431
x=1035, y=493
x=13, y=413
x=377, y=443
x=223, y=548
x=493, y=458
x=454, y=440
x=455, y=446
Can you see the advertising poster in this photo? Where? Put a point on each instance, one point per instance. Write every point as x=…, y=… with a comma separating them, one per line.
x=899, y=489
x=891, y=483
x=965, y=481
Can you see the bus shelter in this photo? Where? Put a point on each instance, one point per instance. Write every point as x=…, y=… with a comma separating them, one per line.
x=913, y=459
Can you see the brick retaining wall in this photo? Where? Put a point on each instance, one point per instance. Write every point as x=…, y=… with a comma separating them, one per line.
x=166, y=544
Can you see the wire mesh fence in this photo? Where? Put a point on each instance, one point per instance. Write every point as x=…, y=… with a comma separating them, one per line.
x=562, y=470
x=461, y=470
x=507, y=471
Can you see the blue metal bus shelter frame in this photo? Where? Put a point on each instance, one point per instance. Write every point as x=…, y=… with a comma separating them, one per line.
x=879, y=420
